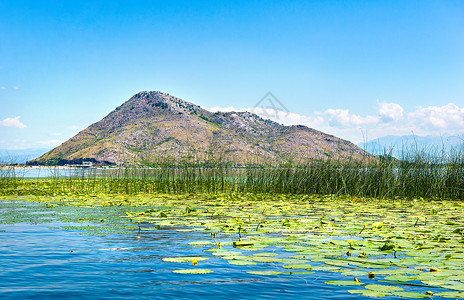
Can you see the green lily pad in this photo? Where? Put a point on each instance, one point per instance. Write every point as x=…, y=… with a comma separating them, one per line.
x=184, y=258
x=265, y=254
x=401, y=278
x=356, y=291
x=375, y=294
x=264, y=272
x=354, y=273
x=344, y=282
x=454, y=295
x=200, y=243
x=226, y=253
x=236, y=257
x=383, y=288
x=328, y=269
x=456, y=287
x=298, y=273
x=299, y=266
x=413, y=295
x=267, y=259
x=242, y=262
x=401, y=271
x=193, y=271
x=432, y=282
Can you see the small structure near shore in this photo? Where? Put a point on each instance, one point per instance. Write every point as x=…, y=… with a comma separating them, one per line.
x=85, y=164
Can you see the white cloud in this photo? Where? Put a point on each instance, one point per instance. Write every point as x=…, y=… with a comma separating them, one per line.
x=390, y=112
x=16, y=87
x=390, y=119
x=55, y=133
x=73, y=127
x=3, y=88
x=343, y=118
x=447, y=117
x=12, y=122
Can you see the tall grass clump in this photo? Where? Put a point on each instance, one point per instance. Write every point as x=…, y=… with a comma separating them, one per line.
x=426, y=173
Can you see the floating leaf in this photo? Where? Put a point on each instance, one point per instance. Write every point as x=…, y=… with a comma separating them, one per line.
x=224, y=252
x=243, y=244
x=354, y=273
x=193, y=271
x=299, y=266
x=383, y=288
x=450, y=295
x=414, y=295
x=432, y=282
x=184, y=258
x=344, y=282
x=401, y=278
x=266, y=254
x=267, y=259
x=456, y=287
x=242, y=262
x=264, y=272
x=356, y=291
x=200, y=243
x=375, y=294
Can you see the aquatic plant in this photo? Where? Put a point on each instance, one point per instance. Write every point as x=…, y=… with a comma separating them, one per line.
x=396, y=258
x=416, y=174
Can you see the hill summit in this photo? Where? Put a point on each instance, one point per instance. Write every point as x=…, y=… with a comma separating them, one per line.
x=153, y=125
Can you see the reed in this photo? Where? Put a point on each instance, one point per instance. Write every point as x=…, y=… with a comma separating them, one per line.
x=427, y=173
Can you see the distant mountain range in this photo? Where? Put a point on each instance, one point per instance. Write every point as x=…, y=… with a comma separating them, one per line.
x=397, y=144
x=20, y=156
x=153, y=125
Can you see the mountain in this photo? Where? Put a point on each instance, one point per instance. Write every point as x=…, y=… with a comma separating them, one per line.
x=20, y=156
x=396, y=145
x=155, y=125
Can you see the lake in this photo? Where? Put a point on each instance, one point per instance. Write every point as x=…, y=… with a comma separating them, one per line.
x=91, y=251
x=44, y=261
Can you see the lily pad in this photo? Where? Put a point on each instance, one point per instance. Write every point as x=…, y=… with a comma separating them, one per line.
x=267, y=259
x=450, y=295
x=193, y=271
x=299, y=266
x=413, y=295
x=200, y=243
x=344, y=282
x=354, y=273
x=264, y=272
x=265, y=254
x=375, y=294
x=242, y=262
x=184, y=258
x=401, y=278
x=383, y=288
x=456, y=287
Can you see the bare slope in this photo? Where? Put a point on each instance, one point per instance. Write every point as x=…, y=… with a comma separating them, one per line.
x=155, y=125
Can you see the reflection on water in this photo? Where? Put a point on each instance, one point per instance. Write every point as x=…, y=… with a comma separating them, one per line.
x=41, y=262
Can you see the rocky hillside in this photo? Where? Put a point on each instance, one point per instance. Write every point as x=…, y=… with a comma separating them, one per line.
x=154, y=126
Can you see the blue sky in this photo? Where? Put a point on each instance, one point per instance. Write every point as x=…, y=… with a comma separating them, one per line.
x=343, y=67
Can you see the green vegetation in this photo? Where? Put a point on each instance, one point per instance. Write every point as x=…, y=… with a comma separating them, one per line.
x=413, y=176
x=386, y=227
x=416, y=252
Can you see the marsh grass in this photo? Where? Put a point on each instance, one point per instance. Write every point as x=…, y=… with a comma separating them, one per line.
x=417, y=173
